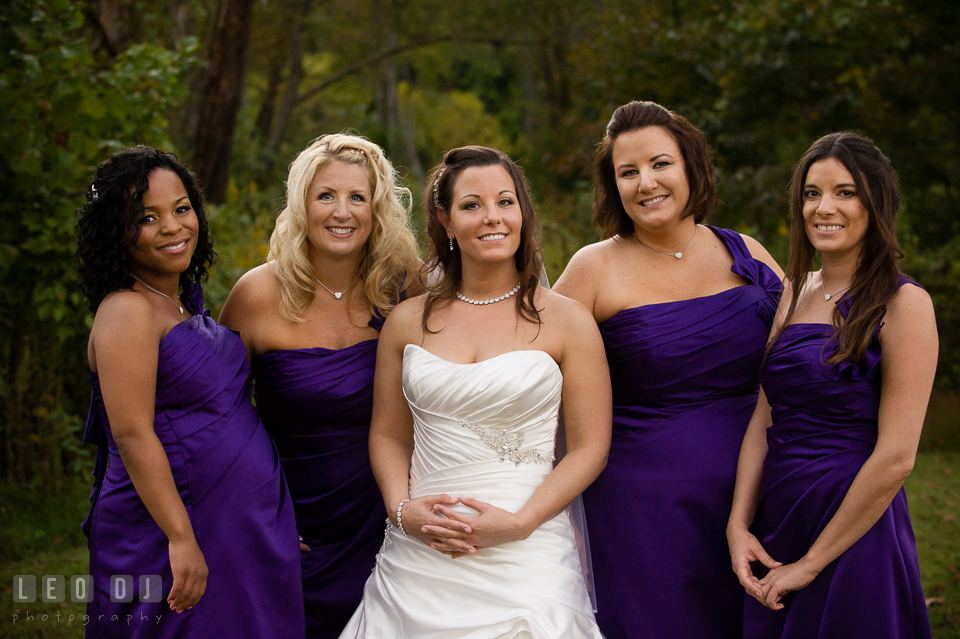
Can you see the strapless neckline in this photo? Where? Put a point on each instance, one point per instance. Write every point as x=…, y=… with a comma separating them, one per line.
x=484, y=361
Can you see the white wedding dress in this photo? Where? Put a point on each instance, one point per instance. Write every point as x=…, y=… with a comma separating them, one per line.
x=483, y=430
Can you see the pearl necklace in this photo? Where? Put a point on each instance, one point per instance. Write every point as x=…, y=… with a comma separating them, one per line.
x=337, y=294
x=827, y=296
x=678, y=254
x=460, y=296
x=175, y=303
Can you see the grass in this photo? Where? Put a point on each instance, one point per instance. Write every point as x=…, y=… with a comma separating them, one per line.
x=40, y=536
x=933, y=491
x=48, y=619
x=941, y=428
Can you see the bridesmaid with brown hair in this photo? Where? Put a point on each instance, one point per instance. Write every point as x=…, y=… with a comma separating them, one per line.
x=820, y=533
x=684, y=310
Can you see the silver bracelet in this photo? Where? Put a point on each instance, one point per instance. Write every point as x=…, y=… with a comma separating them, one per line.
x=400, y=516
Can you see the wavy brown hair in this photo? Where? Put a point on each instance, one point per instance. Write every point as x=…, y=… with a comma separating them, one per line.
x=529, y=256
x=609, y=215
x=877, y=275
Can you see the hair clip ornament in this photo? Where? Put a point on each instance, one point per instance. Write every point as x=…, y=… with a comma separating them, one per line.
x=436, y=187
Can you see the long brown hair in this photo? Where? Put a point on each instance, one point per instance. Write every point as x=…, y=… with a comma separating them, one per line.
x=529, y=258
x=608, y=212
x=875, y=280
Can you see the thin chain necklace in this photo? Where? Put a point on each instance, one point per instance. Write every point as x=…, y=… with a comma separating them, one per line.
x=678, y=254
x=827, y=296
x=460, y=296
x=337, y=294
x=175, y=302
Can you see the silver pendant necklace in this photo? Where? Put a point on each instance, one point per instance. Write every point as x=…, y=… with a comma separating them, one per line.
x=460, y=296
x=175, y=302
x=827, y=296
x=678, y=254
x=337, y=294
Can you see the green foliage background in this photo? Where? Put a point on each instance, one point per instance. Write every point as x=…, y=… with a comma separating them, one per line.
x=538, y=79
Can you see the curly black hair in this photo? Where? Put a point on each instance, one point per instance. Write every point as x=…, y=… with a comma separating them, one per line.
x=109, y=222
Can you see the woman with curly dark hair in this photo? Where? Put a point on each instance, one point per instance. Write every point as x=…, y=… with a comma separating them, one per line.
x=190, y=503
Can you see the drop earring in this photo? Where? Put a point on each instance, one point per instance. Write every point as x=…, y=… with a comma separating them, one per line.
x=451, y=242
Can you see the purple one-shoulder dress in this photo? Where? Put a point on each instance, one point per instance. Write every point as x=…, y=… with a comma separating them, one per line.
x=685, y=383
x=316, y=404
x=228, y=475
x=824, y=429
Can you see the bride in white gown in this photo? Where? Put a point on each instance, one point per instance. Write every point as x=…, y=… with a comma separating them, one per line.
x=466, y=398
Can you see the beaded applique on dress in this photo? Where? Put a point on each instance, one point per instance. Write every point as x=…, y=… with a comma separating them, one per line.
x=508, y=445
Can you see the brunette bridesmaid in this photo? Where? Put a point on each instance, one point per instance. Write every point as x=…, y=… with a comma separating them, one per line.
x=341, y=256
x=820, y=533
x=684, y=310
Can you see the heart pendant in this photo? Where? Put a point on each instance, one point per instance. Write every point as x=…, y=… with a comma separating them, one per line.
x=338, y=295
x=678, y=254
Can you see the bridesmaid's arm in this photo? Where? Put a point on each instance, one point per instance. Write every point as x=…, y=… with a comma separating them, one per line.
x=577, y=279
x=127, y=325
x=587, y=402
x=391, y=437
x=910, y=345
x=253, y=298
x=744, y=547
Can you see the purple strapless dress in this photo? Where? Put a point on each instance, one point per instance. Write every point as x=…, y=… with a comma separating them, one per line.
x=824, y=429
x=228, y=475
x=316, y=404
x=685, y=383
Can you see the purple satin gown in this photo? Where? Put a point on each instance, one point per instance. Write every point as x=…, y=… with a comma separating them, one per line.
x=316, y=404
x=824, y=429
x=228, y=475
x=685, y=383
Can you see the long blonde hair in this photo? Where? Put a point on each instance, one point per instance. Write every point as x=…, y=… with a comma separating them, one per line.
x=389, y=261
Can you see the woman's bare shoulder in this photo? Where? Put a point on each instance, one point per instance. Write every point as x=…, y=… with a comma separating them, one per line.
x=403, y=322
x=565, y=312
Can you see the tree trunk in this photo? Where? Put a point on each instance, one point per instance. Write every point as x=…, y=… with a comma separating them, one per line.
x=398, y=128
x=279, y=129
x=182, y=23
x=384, y=35
x=221, y=97
x=112, y=24
x=415, y=173
x=268, y=105
x=530, y=105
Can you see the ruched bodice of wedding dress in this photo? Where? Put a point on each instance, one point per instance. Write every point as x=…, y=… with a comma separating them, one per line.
x=484, y=430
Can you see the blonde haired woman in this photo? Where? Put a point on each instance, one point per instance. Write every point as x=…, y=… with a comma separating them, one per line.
x=341, y=256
